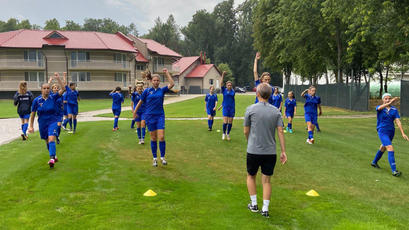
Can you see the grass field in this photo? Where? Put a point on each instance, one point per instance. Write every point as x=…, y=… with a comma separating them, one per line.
x=101, y=176
x=8, y=110
x=195, y=108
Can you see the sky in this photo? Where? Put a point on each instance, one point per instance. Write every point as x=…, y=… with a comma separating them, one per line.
x=141, y=12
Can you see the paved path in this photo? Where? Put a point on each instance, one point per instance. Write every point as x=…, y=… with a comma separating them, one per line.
x=9, y=128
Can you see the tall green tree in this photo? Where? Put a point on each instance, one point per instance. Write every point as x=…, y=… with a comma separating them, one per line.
x=52, y=24
x=166, y=33
x=71, y=26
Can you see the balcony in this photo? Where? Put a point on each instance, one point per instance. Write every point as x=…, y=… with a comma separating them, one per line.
x=98, y=65
x=158, y=68
x=21, y=64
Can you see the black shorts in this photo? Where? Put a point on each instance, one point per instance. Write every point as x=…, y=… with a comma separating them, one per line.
x=266, y=162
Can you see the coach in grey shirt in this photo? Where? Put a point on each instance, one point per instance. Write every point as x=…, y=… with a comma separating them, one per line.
x=260, y=123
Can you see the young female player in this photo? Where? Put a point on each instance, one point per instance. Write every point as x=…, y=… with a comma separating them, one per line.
x=117, y=100
x=45, y=106
x=290, y=110
x=277, y=99
x=72, y=105
x=210, y=107
x=154, y=114
x=140, y=120
x=229, y=107
x=387, y=115
x=59, y=108
x=23, y=100
x=312, y=102
x=264, y=78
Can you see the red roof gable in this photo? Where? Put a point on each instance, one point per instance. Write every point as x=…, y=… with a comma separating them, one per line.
x=156, y=47
x=184, y=63
x=200, y=70
x=73, y=40
x=140, y=58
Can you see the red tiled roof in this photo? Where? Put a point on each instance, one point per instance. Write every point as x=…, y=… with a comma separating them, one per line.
x=73, y=40
x=184, y=63
x=200, y=70
x=140, y=58
x=156, y=47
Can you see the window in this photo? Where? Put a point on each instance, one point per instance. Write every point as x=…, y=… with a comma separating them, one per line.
x=34, y=76
x=121, y=59
x=140, y=67
x=159, y=61
x=80, y=76
x=79, y=56
x=211, y=81
x=121, y=77
x=34, y=56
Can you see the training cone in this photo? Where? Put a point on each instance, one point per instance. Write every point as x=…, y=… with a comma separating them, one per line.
x=312, y=192
x=149, y=193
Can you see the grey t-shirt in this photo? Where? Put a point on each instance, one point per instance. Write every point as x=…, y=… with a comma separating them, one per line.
x=263, y=119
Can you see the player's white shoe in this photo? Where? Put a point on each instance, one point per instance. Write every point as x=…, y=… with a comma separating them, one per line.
x=142, y=141
x=155, y=163
x=309, y=142
x=164, y=162
x=224, y=137
x=228, y=137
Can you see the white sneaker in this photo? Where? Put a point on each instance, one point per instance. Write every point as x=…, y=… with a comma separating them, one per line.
x=228, y=137
x=309, y=142
x=155, y=163
x=164, y=162
x=142, y=141
x=223, y=136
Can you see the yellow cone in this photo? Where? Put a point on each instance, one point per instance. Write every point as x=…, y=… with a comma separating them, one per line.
x=312, y=192
x=150, y=193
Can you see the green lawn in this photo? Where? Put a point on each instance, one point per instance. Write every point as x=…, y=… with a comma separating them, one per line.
x=101, y=176
x=195, y=108
x=8, y=110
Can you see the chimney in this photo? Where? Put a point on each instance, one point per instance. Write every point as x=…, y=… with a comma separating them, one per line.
x=201, y=57
x=204, y=61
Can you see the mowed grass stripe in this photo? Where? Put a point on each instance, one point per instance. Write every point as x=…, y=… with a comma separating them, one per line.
x=102, y=175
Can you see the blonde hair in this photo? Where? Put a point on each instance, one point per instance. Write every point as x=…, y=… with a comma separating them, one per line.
x=22, y=87
x=264, y=74
x=212, y=86
x=155, y=75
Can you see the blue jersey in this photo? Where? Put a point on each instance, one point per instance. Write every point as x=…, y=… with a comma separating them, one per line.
x=228, y=98
x=270, y=99
x=71, y=96
x=311, y=103
x=290, y=105
x=117, y=100
x=136, y=97
x=277, y=99
x=385, y=118
x=59, y=107
x=210, y=100
x=64, y=97
x=46, y=108
x=153, y=98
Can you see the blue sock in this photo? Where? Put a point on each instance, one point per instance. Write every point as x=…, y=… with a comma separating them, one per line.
x=143, y=133
x=154, y=148
x=377, y=157
x=224, y=127
x=391, y=158
x=115, y=122
x=209, y=123
x=75, y=124
x=65, y=122
x=48, y=146
x=162, y=148
x=139, y=132
x=52, y=149
x=229, y=128
x=318, y=127
x=70, y=122
x=290, y=125
x=24, y=128
x=133, y=124
x=310, y=134
x=58, y=131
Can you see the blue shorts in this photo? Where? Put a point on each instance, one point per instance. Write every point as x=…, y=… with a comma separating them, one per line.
x=65, y=109
x=48, y=129
x=310, y=117
x=116, y=112
x=155, y=122
x=140, y=117
x=24, y=116
x=228, y=112
x=72, y=109
x=386, y=136
x=211, y=112
x=289, y=114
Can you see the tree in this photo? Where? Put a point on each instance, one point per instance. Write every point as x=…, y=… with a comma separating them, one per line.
x=71, y=26
x=52, y=24
x=229, y=74
x=166, y=33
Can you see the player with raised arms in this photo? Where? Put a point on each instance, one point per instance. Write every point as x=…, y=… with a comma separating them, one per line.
x=59, y=106
x=23, y=100
x=45, y=106
x=264, y=78
x=312, y=102
x=72, y=105
x=154, y=114
x=387, y=116
x=139, y=120
x=210, y=107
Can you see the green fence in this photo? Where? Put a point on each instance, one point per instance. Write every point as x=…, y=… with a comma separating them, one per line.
x=352, y=96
